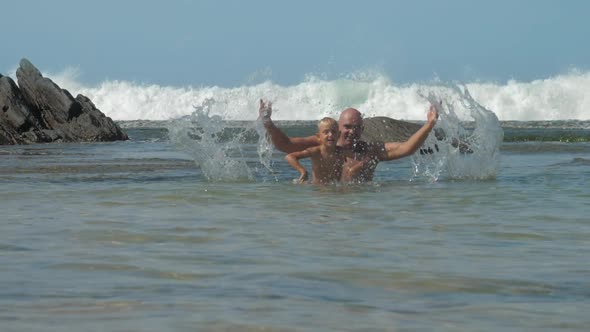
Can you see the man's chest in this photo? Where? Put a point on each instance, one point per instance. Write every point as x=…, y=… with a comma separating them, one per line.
x=359, y=162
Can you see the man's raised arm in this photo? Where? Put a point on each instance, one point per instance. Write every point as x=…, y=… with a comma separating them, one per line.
x=281, y=141
x=396, y=150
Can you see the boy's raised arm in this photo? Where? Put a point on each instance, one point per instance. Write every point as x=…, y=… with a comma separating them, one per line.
x=279, y=139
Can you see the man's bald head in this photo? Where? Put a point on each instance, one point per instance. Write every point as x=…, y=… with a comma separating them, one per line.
x=350, y=124
x=351, y=114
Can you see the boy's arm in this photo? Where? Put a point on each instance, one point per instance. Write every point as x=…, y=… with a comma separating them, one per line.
x=281, y=141
x=396, y=150
x=293, y=160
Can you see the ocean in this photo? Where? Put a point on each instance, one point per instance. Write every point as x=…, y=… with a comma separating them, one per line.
x=195, y=224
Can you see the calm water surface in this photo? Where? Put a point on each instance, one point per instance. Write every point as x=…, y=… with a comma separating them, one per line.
x=130, y=236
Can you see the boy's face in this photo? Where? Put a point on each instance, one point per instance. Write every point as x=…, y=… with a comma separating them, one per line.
x=329, y=134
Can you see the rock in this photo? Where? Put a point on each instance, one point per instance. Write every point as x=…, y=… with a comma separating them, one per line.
x=16, y=117
x=384, y=129
x=44, y=95
x=38, y=110
x=92, y=124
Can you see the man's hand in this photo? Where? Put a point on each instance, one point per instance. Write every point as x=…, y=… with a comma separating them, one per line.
x=265, y=111
x=432, y=114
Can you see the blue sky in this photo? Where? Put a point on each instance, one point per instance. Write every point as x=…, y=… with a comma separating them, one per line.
x=231, y=43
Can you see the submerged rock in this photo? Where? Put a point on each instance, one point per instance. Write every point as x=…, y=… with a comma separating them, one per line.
x=39, y=111
x=384, y=129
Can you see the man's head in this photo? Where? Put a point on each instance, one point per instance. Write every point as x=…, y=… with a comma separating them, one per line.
x=328, y=132
x=351, y=127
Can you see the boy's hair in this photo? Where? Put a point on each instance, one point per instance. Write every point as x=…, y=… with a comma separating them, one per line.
x=327, y=120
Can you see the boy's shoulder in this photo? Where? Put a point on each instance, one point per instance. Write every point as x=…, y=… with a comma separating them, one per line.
x=314, y=149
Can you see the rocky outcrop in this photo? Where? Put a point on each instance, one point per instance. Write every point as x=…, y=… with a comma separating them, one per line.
x=39, y=111
x=384, y=129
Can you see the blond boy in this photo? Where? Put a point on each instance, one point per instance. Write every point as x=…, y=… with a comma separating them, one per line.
x=327, y=159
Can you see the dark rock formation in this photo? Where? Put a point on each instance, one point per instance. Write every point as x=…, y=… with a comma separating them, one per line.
x=37, y=111
x=384, y=129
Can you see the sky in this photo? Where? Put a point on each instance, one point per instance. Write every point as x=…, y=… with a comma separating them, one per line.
x=232, y=43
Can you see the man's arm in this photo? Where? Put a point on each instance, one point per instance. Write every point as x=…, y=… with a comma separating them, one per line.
x=293, y=160
x=281, y=141
x=396, y=150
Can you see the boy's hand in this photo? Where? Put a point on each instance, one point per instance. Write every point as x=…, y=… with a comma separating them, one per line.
x=302, y=178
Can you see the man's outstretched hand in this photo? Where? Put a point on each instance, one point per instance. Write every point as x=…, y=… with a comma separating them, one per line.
x=432, y=115
x=265, y=111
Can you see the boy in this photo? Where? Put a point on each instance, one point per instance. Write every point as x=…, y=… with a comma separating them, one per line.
x=327, y=159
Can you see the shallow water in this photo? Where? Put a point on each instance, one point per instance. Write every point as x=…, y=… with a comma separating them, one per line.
x=130, y=236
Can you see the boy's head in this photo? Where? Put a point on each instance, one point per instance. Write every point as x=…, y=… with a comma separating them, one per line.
x=328, y=131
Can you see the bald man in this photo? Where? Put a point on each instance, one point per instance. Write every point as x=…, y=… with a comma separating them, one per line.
x=361, y=158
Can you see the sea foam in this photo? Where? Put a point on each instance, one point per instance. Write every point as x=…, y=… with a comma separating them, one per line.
x=562, y=97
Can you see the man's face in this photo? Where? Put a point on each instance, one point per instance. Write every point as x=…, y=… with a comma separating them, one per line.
x=351, y=128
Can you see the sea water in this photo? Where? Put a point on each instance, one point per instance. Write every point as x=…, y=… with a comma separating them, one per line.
x=194, y=224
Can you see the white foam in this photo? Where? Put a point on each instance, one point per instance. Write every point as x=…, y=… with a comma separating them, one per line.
x=560, y=97
x=563, y=97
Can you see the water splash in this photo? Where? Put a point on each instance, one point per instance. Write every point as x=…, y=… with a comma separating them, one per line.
x=264, y=147
x=461, y=153
x=219, y=146
x=202, y=136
